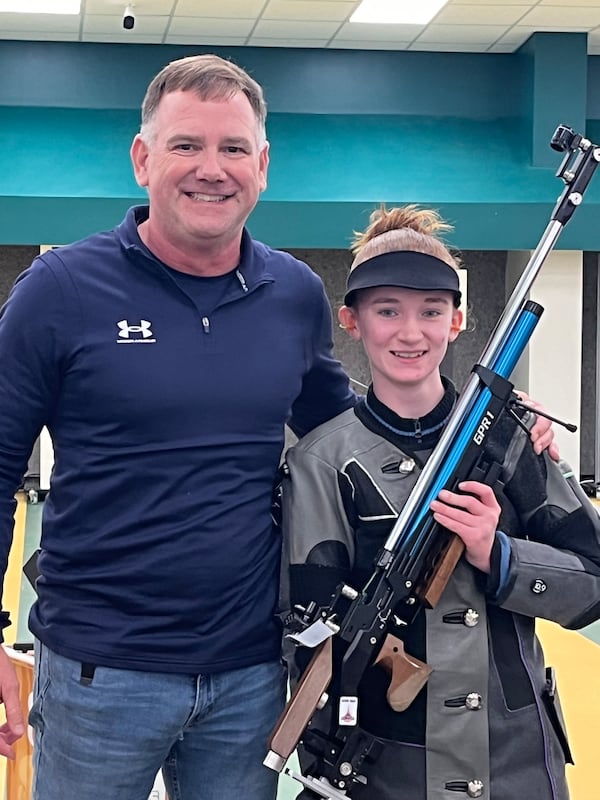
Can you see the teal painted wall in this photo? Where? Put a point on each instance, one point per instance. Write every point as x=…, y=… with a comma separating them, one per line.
x=88, y=75
x=552, y=86
x=467, y=133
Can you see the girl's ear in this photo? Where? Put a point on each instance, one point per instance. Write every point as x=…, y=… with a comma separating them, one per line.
x=456, y=325
x=348, y=321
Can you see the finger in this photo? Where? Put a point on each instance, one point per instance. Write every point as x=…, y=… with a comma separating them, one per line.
x=531, y=404
x=451, y=511
x=6, y=740
x=456, y=519
x=15, y=723
x=539, y=445
x=7, y=734
x=542, y=440
x=481, y=490
x=462, y=508
x=541, y=427
x=554, y=452
x=448, y=502
x=449, y=522
x=469, y=533
x=473, y=494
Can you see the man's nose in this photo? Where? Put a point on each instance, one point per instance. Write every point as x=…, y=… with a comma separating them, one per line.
x=209, y=166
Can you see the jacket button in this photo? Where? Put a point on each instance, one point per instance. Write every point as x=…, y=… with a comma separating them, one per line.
x=538, y=586
x=473, y=702
x=475, y=788
x=471, y=617
x=468, y=617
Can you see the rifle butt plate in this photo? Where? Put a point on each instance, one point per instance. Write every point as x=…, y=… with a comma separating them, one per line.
x=274, y=761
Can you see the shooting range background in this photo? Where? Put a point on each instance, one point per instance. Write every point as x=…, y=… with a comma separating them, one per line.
x=465, y=133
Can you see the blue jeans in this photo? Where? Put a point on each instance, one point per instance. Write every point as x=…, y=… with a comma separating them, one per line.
x=109, y=736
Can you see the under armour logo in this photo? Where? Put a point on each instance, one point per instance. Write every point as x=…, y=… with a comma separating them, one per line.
x=135, y=333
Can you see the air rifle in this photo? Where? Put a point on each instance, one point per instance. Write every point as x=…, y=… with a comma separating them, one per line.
x=419, y=555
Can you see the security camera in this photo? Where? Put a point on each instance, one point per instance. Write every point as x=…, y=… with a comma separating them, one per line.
x=128, y=18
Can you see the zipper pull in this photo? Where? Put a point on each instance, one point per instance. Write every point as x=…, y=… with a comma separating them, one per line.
x=240, y=278
x=206, y=324
x=418, y=430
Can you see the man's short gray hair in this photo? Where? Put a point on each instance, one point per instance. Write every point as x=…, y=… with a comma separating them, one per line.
x=211, y=78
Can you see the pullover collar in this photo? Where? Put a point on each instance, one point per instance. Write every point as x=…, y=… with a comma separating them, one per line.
x=251, y=269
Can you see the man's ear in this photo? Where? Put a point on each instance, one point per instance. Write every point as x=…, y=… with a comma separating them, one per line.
x=348, y=321
x=456, y=325
x=139, y=158
x=263, y=166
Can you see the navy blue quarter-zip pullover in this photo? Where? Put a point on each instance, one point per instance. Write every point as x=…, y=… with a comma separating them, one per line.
x=167, y=420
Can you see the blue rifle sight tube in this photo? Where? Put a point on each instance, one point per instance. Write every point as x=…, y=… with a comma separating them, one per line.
x=489, y=358
x=503, y=365
x=583, y=168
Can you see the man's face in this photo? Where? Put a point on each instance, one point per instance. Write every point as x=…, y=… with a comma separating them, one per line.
x=204, y=168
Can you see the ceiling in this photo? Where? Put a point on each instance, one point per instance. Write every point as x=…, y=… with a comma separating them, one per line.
x=495, y=26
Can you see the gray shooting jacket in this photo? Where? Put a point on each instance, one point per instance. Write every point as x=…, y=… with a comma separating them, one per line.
x=488, y=722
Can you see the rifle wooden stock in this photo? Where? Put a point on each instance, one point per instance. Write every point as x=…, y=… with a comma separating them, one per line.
x=409, y=675
x=303, y=702
x=443, y=567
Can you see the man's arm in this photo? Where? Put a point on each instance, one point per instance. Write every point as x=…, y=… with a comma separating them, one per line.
x=27, y=379
x=325, y=387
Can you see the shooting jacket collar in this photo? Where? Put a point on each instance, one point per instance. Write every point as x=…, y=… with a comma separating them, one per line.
x=408, y=434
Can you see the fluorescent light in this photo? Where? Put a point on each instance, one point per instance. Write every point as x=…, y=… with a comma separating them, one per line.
x=406, y=12
x=40, y=6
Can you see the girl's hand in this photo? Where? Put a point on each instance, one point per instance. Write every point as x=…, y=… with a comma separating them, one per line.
x=472, y=516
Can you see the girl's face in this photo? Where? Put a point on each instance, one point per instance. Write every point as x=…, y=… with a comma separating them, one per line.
x=405, y=334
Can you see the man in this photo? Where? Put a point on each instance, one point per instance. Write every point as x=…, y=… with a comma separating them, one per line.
x=165, y=358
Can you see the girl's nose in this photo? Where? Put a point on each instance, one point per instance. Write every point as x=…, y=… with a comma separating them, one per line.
x=409, y=330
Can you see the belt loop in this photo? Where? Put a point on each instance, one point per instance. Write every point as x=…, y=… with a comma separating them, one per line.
x=87, y=674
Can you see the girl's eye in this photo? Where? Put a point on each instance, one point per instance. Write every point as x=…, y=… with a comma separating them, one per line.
x=387, y=312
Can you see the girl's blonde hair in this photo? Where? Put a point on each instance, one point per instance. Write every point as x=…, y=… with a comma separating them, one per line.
x=403, y=228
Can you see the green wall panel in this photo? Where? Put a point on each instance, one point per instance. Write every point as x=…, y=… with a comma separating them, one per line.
x=66, y=173
x=92, y=75
x=467, y=133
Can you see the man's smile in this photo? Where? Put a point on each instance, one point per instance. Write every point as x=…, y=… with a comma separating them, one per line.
x=208, y=198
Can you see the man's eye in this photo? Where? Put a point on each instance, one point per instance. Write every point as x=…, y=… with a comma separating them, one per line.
x=233, y=148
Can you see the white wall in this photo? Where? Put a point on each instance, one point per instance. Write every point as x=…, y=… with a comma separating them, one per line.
x=551, y=369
